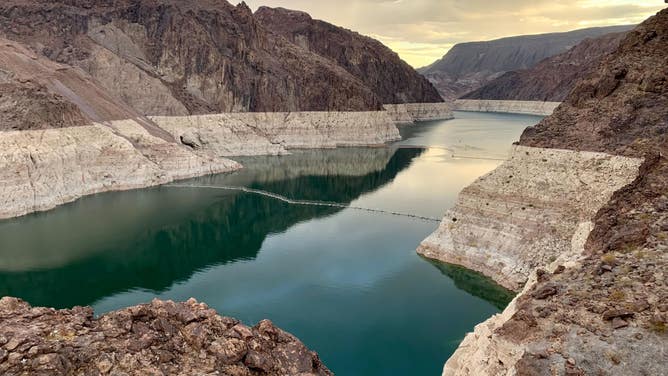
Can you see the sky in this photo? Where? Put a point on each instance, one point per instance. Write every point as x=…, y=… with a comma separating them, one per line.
x=422, y=31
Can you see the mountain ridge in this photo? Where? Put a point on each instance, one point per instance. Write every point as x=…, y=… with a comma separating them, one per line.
x=468, y=66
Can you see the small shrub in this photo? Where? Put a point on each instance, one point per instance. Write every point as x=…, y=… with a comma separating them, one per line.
x=617, y=295
x=658, y=327
x=609, y=258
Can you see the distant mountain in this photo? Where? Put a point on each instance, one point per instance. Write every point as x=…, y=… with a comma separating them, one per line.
x=468, y=66
x=380, y=68
x=553, y=78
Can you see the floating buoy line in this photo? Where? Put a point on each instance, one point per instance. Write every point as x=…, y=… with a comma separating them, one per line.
x=301, y=202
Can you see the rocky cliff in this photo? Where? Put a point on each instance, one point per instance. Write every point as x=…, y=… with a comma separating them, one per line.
x=160, y=338
x=468, y=66
x=595, y=291
x=553, y=78
x=173, y=57
x=381, y=69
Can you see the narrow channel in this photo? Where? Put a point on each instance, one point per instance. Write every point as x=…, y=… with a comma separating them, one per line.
x=345, y=281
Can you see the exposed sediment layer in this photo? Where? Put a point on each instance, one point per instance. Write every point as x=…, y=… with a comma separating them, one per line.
x=41, y=169
x=523, y=214
x=412, y=112
x=515, y=107
x=273, y=133
x=160, y=338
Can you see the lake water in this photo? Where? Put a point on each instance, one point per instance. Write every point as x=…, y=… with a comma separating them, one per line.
x=347, y=282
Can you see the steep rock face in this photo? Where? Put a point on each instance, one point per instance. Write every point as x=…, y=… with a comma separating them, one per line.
x=179, y=58
x=157, y=338
x=553, y=78
x=381, y=69
x=468, y=66
x=599, y=306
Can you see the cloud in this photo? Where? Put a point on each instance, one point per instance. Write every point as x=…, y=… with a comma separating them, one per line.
x=422, y=31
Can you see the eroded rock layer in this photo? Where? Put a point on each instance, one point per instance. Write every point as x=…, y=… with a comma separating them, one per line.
x=509, y=106
x=414, y=112
x=275, y=133
x=597, y=306
x=160, y=338
x=523, y=215
x=41, y=169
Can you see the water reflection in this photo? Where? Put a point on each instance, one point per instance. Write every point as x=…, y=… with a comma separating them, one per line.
x=153, y=238
x=476, y=284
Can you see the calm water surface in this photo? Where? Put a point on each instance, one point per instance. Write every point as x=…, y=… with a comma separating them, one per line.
x=346, y=282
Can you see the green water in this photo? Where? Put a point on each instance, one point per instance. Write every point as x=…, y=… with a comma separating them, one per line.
x=346, y=282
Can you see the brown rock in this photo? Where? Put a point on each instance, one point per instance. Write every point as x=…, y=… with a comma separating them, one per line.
x=161, y=339
x=545, y=292
x=618, y=323
x=381, y=69
x=617, y=313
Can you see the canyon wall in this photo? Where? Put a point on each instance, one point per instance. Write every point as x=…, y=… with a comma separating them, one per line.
x=576, y=220
x=381, y=69
x=508, y=106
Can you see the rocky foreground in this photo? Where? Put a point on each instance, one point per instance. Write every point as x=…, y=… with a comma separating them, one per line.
x=577, y=221
x=160, y=338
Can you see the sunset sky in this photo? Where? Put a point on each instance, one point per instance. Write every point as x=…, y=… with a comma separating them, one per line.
x=422, y=31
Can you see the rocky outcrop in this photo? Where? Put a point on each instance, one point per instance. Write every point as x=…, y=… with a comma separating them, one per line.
x=553, y=78
x=596, y=306
x=381, y=69
x=515, y=107
x=523, y=215
x=414, y=112
x=468, y=66
x=274, y=133
x=159, y=338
